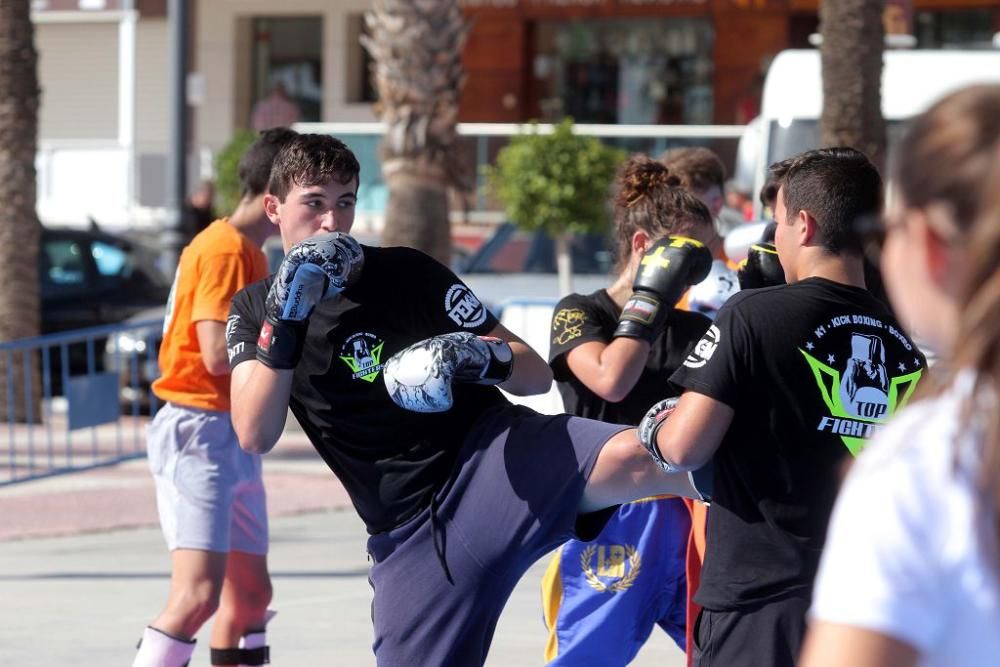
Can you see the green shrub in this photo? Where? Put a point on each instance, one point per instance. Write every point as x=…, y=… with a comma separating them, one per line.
x=227, y=179
x=558, y=182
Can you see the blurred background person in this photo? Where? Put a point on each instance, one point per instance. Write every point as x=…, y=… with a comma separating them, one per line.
x=275, y=110
x=911, y=570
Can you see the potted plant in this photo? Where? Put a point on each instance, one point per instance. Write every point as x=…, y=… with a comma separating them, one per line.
x=558, y=182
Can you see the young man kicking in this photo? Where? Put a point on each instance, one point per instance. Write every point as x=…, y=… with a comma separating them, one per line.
x=391, y=365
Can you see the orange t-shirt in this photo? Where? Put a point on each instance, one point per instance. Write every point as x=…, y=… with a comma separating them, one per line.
x=218, y=263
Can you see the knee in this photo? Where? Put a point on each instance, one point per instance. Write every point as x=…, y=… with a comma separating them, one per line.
x=254, y=596
x=198, y=602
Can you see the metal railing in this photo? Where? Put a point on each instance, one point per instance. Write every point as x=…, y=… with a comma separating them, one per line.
x=479, y=143
x=76, y=400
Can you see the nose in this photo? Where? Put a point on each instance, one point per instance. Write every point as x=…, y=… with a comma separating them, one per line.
x=327, y=222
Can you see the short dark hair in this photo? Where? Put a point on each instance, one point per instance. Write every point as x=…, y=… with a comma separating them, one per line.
x=698, y=168
x=255, y=166
x=837, y=186
x=312, y=159
x=769, y=193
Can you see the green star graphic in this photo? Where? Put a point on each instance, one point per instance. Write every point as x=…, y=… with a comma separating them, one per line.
x=376, y=366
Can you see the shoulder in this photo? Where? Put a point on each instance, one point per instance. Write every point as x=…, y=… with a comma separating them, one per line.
x=253, y=294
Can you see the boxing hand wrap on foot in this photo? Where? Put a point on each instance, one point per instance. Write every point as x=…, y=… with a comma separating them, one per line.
x=650, y=425
x=420, y=377
x=702, y=478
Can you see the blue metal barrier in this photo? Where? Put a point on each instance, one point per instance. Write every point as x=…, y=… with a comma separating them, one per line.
x=71, y=405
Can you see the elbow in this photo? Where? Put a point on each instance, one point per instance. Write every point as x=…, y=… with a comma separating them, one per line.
x=681, y=458
x=612, y=392
x=216, y=365
x=252, y=439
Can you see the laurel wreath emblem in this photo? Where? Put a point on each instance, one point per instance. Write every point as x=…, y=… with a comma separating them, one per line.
x=622, y=584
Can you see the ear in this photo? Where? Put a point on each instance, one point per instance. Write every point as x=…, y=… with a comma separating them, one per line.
x=937, y=252
x=807, y=229
x=271, y=207
x=640, y=242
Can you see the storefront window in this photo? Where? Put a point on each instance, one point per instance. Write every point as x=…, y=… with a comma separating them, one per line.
x=628, y=71
x=288, y=54
x=954, y=29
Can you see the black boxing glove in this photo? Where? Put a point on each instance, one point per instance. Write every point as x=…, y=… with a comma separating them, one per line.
x=318, y=268
x=668, y=268
x=761, y=268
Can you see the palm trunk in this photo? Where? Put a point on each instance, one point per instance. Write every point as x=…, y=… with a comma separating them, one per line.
x=19, y=228
x=851, y=54
x=417, y=50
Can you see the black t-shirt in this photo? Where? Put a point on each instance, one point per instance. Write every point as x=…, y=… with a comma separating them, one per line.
x=810, y=369
x=579, y=319
x=389, y=459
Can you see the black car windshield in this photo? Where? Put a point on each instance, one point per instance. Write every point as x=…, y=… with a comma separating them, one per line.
x=512, y=250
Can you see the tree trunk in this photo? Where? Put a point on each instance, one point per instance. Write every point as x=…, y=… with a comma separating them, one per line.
x=19, y=227
x=417, y=50
x=564, y=264
x=851, y=54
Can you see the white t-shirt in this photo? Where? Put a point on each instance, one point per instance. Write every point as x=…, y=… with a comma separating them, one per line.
x=904, y=556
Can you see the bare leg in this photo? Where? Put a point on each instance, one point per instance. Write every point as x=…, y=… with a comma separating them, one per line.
x=196, y=579
x=245, y=596
x=625, y=471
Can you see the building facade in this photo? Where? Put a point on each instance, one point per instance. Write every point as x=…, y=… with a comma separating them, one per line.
x=104, y=70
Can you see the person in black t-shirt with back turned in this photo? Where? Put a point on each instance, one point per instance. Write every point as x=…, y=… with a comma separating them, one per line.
x=390, y=364
x=786, y=385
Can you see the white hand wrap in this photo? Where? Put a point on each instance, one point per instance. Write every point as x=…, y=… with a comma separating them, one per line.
x=649, y=426
x=419, y=378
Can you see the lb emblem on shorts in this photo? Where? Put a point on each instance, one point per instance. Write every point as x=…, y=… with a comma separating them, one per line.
x=617, y=566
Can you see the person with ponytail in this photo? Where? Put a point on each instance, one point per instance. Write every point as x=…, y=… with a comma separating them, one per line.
x=602, y=598
x=911, y=570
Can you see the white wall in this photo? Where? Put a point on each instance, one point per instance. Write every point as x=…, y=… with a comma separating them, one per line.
x=78, y=75
x=222, y=60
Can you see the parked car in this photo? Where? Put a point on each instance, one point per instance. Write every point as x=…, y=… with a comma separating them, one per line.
x=88, y=278
x=91, y=277
x=514, y=263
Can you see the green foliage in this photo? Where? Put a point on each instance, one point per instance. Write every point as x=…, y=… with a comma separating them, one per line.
x=558, y=182
x=227, y=180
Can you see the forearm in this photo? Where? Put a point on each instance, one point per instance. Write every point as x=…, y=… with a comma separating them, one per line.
x=259, y=405
x=615, y=372
x=530, y=374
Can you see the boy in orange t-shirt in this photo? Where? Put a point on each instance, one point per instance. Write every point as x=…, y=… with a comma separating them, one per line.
x=209, y=492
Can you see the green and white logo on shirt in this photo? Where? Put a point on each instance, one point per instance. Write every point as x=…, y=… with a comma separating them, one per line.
x=362, y=352
x=860, y=387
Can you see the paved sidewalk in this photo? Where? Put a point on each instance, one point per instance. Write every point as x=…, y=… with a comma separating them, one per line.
x=83, y=567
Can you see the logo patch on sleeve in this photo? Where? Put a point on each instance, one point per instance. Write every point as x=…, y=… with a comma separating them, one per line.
x=567, y=325
x=705, y=348
x=463, y=307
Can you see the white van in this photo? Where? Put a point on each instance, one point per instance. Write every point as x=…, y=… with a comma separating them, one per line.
x=793, y=100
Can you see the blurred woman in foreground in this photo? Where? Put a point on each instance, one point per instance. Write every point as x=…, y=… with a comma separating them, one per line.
x=911, y=570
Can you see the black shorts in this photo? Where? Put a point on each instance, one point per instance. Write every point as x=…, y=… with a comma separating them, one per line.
x=768, y=636
x=442, y=578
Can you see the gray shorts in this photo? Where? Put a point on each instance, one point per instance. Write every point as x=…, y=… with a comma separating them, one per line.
x=209, y=492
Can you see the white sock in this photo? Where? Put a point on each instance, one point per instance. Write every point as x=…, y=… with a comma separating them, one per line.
x=159, y=649
x=257, y=639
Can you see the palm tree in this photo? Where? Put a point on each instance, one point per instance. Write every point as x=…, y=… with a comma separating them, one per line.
x=416, y=46
x=19, y=227
x=851, y=54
